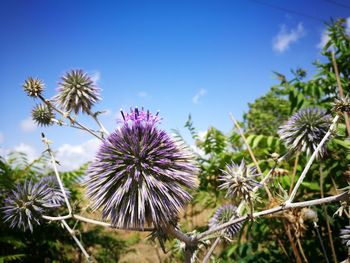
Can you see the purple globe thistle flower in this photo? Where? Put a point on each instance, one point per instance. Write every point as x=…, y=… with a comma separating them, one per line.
x=33, y=87
x=25, y=205
x=239, y=180
x=140, y=175
x=305, y=130
x=43, y=115
x=224, y=214
x=345, y=235
x=57, y=197
x=77, y=92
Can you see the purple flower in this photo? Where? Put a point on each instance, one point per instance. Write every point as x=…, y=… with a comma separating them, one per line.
x=57, y=198
x=77, y=92
x=304, y=131
x=224, y=214
x=140, y=175
x=239, y=180
x=25, y=205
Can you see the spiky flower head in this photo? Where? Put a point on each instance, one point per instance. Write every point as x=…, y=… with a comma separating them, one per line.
x=57, y=197
x=224, y=214
x=77, y=92
x=305, y=130
x=43, y=115
x=140, y=175
x=239, y=180
x=345, y=235
x=341, y=105
x=26, y=203
x=33, y=87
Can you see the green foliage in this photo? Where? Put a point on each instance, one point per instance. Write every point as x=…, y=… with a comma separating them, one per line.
x=266, y=114
x=266, y=240
x=50, y=242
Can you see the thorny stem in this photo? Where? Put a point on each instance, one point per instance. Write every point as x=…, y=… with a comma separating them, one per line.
x=341, y=92
x=211, y=250
x=61, y=123
x=93, y=221
x=72, y=233
x=238, y=127
x=313, y=156
x=103, y=130
x=325, y=200
x=53, y=160
x=65, y=115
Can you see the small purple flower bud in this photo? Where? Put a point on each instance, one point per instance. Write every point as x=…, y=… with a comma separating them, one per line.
x=224, y=214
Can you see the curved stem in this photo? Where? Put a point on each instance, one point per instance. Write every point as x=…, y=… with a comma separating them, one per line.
x=211, y=250
x=312, y=158
x=65, y=115
x=72, y=233
x=276, y=209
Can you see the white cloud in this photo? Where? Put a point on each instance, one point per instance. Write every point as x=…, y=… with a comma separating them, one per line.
x=27, y=149
x=142, y=94
x=324, y=39
x=95, y=76
x=2, y=137
x=286, y=37
x=27, y=125
x=347, y=28
x=199, y=94
x=72, y=157
x=202, y=134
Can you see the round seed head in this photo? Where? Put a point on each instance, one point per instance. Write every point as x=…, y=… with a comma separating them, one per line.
x=341, y=105
x=224, y=214
x=140, y=175
x=309, y=214
x=345, y=235
x=77, y=92
x=305, y=130
x=33, y=87
x=239, y=180
x=43, y=115
x=25, y=205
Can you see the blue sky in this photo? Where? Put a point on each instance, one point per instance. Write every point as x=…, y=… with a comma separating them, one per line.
x=207, y=58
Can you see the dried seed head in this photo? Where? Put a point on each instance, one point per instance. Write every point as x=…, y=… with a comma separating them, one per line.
x=140, y=175
x=43, y=115
x=341, y=105
x=309, y=214
x=239, y=180
x=304, y=131
x=33, y=87
x=77, y=92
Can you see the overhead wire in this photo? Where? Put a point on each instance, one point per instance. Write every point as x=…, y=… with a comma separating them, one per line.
x=281, y=8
